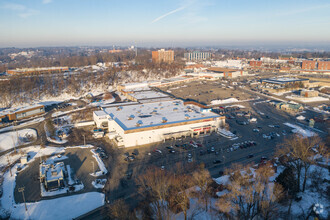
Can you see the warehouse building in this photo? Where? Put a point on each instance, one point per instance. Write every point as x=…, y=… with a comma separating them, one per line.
x=284, y=81
x=141, y=124
x=227, y=73
x=21, y=113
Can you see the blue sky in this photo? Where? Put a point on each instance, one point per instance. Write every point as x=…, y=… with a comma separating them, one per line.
x=25, y=23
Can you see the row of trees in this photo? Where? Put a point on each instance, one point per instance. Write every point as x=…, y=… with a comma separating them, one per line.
x=248, y=192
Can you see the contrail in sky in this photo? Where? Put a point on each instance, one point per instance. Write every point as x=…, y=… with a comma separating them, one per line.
x=168, y=13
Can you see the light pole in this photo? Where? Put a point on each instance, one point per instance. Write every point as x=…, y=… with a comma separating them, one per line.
x=93, y=166
x=22, y=191
x=84, y=140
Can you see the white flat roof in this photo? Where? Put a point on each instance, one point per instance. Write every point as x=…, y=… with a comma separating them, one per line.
x=152, y=114
x=148, y=95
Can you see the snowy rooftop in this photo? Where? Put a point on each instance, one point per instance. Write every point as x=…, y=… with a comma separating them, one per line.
x=20, y=109
x=157, y=113
x=282, y=80
x=52, y=171
x=148, y=95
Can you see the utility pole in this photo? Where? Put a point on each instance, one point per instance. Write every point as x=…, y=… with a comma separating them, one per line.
x=84, y=140
x=93, y=167
x=22, y=191
x=9, y=166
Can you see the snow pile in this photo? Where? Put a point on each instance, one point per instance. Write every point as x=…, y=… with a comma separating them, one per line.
x=300, y=130
x=100, y=164
x=300, y=118
x=99, y=183
x=223, y=101
x=304, y=99
x=11, y=139
x=227, y=134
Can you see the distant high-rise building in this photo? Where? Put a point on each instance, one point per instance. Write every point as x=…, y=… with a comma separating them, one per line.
x=197, y=55
x=165, y=56
x=308, y=65
x=323, y=65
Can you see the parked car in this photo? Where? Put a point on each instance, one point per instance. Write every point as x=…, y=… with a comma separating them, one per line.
x=216, y=161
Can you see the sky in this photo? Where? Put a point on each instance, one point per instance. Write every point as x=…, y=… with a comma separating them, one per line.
x=32, y=23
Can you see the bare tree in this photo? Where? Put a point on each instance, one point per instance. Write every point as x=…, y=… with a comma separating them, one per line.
x=298, y=152
x=250, y=194
x=202, y=179
x=155, y=185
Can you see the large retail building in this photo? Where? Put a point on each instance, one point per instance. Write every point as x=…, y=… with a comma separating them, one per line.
x=140, y=124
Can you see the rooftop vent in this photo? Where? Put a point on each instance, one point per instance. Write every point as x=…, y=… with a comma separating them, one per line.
x=131, y=117
x=139, y=123
x=54, y=173
x=164, y=120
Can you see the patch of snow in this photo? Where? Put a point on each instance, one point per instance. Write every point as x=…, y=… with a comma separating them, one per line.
x=99, y=183
x=11, y=139
x=304, y=99
x=300, y=130
x=100, y=163
x=223, y=101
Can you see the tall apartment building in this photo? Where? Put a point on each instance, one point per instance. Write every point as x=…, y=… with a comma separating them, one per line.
x=197, y=55
x=166, y=56
x=323, y=65
x=308, y=65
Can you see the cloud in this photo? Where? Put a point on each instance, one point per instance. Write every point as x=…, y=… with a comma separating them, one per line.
x=46, y=1
x=21, y=10
x=168, y=13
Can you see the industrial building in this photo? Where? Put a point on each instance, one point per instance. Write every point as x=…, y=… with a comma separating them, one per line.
x=21, y=113
x=283, y=81
x=197, y=55
x=163, y=56
x=228, y=73
x=141, y=124
x=52, y=175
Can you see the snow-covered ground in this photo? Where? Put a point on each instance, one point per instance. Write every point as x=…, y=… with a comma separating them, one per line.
x=300, y=130
x=100, y=163
x=11, y=139
x=304, y=99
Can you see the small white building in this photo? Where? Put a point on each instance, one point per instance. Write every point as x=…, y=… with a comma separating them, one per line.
x=140, y=124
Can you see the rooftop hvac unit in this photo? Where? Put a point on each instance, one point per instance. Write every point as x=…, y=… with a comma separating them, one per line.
x=175, y=109
x=186, y=116
x=139, y=123
x=164, y=120
x=119, y=108
x=131, y=117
